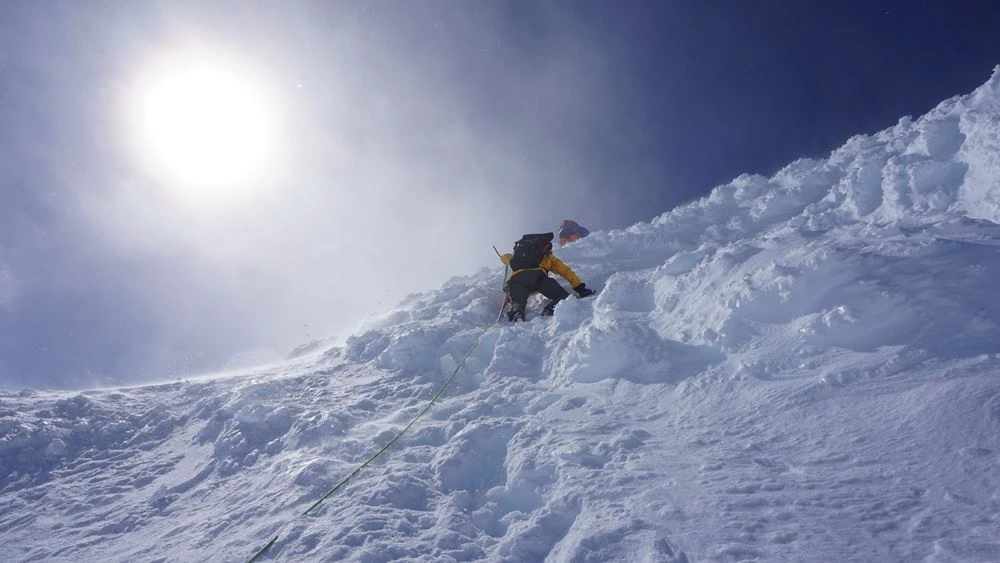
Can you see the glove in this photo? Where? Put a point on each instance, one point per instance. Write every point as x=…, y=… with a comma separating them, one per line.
x=583, y=291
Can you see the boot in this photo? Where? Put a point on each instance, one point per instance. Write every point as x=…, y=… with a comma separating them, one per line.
x=549, y=309
x=516, y=313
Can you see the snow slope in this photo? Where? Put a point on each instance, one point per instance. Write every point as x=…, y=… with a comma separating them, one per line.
x=795, y=368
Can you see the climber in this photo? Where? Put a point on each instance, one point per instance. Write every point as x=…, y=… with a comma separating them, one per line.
x=530, y=264
x=570, y=231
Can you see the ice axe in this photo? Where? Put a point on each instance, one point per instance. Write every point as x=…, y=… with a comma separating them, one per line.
x=506, y=295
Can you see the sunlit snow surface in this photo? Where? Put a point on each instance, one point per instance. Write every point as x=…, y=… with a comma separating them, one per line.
x=796, y=368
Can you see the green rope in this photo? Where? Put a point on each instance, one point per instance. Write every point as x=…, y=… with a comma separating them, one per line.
x=374, y=456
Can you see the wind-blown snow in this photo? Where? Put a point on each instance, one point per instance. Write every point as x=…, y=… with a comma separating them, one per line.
x=796, y=368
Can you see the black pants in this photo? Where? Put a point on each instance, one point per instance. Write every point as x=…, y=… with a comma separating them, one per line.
x=524, y=283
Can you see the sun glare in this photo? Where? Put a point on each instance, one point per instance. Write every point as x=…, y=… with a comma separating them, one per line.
x=202, y=126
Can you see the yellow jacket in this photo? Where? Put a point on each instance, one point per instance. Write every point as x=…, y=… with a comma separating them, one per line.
x=548, y=264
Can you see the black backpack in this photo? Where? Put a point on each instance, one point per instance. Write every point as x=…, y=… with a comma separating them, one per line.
x=529, y=251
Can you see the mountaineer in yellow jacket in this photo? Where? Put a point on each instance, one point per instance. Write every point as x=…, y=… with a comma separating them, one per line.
x=530, y=264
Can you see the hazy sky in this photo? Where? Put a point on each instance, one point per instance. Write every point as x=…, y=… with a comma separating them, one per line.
x=373, y=149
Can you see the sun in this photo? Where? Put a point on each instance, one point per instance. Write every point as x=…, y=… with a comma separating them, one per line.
x=202, y=125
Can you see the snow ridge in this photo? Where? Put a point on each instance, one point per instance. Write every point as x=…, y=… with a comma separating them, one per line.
x=794, y=368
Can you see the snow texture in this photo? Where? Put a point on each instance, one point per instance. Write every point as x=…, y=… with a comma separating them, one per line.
x=795, y=368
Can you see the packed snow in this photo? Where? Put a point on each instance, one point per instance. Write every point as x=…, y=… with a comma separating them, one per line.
x=795, y=368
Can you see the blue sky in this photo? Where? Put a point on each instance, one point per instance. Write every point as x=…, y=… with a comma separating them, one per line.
x=406, y=138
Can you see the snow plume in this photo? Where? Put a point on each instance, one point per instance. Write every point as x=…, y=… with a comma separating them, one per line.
x=795, y=368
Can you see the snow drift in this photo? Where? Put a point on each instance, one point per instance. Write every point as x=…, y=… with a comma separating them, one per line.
x=795, y=368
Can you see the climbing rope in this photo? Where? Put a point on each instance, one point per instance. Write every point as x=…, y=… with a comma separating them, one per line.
x=260, y=552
